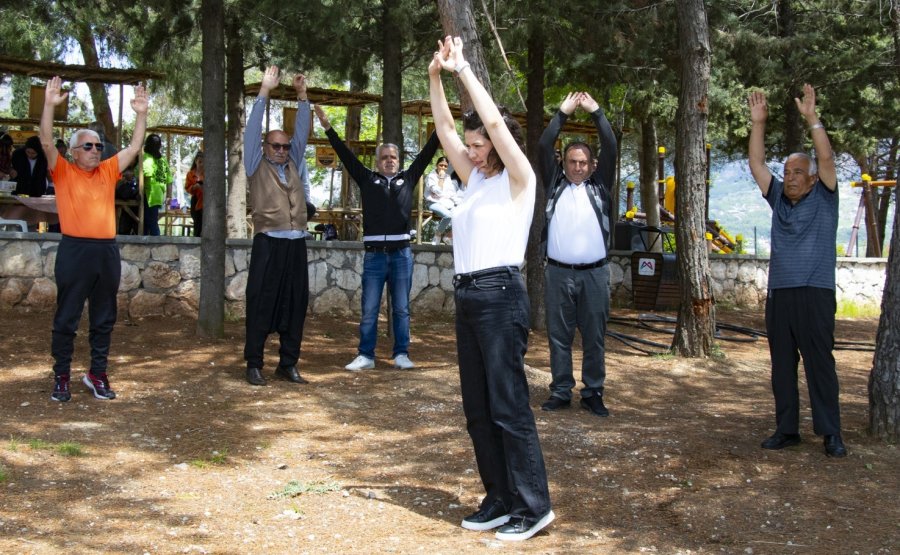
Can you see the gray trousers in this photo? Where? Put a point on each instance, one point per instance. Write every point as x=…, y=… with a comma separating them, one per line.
x=576, y=299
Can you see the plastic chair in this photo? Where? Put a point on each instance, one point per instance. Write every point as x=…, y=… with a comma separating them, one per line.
x=14, y=223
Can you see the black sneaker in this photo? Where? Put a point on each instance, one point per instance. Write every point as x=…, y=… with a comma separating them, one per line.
x=487, y=518
x=594, y=403
x=522, y=527
x=99, y=386
x=61, y=391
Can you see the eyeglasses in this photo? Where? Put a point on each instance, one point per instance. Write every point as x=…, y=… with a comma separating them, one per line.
x=279, y=146
x=90, y=146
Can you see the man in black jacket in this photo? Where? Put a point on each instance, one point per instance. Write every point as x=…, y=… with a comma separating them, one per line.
x=387, y=195
x=577, y=241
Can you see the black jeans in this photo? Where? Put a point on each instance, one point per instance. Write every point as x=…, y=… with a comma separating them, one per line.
x=86, y=269
x=492, y=322
x=800, y=322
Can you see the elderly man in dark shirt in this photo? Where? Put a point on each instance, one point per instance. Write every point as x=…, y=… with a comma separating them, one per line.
x=801, y=303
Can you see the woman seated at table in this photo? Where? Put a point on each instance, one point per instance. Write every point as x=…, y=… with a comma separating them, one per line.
x=442, y=194
x=30, y=166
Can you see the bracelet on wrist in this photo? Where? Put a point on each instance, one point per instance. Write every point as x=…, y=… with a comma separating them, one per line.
x=460, y=67
x=816, y=126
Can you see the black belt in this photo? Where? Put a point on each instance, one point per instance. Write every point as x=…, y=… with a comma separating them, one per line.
x=471, y=277
x=385, y=248
x=589, y=266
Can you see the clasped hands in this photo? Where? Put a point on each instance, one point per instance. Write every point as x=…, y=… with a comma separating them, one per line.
x=576, y=100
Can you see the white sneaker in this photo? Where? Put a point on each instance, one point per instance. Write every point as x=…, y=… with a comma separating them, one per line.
x=403, y=363
x=361, y=362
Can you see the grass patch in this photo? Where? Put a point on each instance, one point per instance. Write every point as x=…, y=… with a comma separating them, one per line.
x=13, y=444
x=668, y=355
x=217, y=457
x=296, y=488
x=70, y=449
x=849, y=309
x=38, y=444
x=4, y=475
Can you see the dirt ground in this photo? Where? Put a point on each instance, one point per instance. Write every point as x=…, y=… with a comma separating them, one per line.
x=191, y=459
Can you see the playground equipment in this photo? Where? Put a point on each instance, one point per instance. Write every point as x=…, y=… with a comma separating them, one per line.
x=867, y=204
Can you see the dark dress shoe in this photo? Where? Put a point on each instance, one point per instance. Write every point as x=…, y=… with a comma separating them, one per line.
x=556, y=403
x=834, y=447
x=780, y=441
x=594, y=403
x=255, y=377
x=487, y=518
x=290, y=374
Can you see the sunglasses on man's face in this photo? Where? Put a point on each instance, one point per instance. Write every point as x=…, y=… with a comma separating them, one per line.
x=279, y=146
x=90, y=146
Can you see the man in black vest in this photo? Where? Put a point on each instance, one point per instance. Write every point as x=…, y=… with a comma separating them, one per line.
x=278, y=280
x=387, y=195
x=577, y=240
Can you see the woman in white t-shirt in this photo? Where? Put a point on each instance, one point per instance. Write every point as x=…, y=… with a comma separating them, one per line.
x=491, y=227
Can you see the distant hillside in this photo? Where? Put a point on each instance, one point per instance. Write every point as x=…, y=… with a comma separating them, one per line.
x=736, y=203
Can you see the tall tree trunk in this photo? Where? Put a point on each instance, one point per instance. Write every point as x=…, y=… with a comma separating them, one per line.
x=392, y=80
x=793, y=129
x=236, y=221
x=696, y=315
x=884, y=196
x=458, y=20
x=211, y=319
x=535, y=117
x=884, y=380
x=99, y=98
x=649, y=186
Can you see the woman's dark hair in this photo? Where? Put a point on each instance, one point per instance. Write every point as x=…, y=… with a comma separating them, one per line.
x=198, y=156
x=34, y=143
x=153, y=145
x=441, y=159
x=472, y=122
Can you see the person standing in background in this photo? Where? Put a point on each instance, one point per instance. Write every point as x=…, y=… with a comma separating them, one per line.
x=157, y=177
x=193, y=185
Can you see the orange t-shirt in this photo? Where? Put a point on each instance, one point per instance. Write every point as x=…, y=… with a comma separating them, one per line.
x=189, y=182
x=86, y=200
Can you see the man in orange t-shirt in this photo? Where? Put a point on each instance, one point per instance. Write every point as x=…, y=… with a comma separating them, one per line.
x=88, y=265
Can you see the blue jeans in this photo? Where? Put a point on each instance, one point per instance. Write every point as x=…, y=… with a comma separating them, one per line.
x=395, y=268
x=492, y=321
x=446, y=215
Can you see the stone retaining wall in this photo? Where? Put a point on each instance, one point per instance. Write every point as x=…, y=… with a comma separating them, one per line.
x=161, y=276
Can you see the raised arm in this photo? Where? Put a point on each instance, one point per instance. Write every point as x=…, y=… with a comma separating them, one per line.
x=140, y=104
x=253, y=152
x=824, y=153
x=547, y=142
x=417, y=168
x=444, y=125
x=517, y=165
x=53, y=97
x=357, y=170
x=301, y=121
x=759, y=112
x=606, y=168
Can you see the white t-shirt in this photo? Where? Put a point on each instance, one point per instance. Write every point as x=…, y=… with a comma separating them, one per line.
x=574, y=236
x=489, y=228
